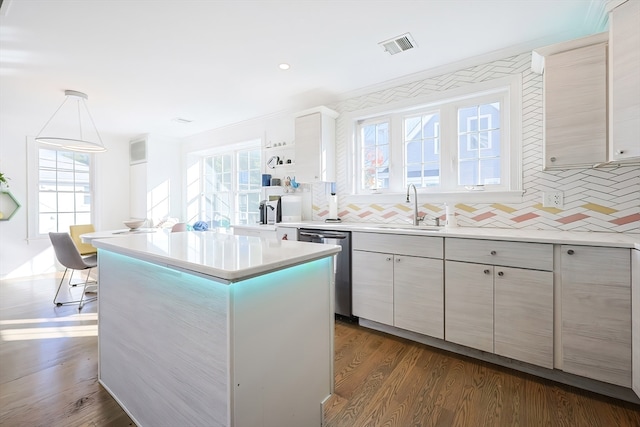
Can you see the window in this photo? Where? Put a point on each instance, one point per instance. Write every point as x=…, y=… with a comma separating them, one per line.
x=232, y=184
x=375, y=154
x=64, y=190
x=465, y=142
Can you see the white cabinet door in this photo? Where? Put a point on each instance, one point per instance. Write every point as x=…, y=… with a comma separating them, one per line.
x=372, y=286
x=575, y=107
x=286, y=233
x=624, y=81
x=468, y=301
x=523, y=304
x=596, y=313
x=315, y=147
x=418, y=295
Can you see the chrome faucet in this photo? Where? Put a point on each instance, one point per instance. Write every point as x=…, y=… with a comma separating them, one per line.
x=416, y=220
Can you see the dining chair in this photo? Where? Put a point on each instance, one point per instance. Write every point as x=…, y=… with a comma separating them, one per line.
x=69, y=256
x=76, y=231
x=181, y=226
x=85, y=249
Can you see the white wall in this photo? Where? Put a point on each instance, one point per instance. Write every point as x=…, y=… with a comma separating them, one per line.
x=20, y=256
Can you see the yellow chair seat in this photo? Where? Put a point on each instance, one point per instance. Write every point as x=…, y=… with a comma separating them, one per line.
x=84, y=248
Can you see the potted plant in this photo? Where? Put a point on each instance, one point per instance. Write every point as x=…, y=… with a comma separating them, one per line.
x=4, y=181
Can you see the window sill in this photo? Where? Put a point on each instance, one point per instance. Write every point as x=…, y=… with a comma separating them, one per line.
x=452, y=197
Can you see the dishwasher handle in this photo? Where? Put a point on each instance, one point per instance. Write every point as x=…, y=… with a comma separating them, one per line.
x=312, y=235
x=324, y=234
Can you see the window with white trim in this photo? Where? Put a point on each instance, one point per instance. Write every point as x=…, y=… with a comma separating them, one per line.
x=65, y=190
x=457, y=144
x=231, y=186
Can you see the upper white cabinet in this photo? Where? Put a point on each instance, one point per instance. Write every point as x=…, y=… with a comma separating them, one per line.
x=624, y=81
x=575, y=103
x=315, y=146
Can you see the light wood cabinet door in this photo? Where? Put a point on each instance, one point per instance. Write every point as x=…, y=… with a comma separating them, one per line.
x=575, y=107
x=635, y=320
x=596, y=313
x=418, y=295
x=372, y=286
x=523, y=322
x=468, y=300
x=624, y=81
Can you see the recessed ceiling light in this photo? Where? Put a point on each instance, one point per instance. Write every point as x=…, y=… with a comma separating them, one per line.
x=181, y=120
x=284, y=66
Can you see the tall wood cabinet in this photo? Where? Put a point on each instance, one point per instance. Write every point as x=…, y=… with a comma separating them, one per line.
x=624, y=81
x=315, y=145
x=596, y=313
x=635, y=321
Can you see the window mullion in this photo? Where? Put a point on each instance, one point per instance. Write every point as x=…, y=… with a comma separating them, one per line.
x=449, y=148
x=397, y=153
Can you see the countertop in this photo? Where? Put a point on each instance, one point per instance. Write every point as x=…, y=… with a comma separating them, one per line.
x=221, y=256
x=621, y=240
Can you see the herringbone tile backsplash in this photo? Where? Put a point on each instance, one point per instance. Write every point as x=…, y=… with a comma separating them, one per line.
x=606, y=199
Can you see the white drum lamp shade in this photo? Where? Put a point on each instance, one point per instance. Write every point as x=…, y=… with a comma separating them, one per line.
x=71, y=126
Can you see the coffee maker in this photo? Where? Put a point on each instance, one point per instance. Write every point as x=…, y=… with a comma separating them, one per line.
x=263, y=211
x=270, y=211
x=274, y=211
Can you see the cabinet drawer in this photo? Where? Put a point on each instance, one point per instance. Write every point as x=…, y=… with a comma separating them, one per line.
x=537, y=256
x=401, y=244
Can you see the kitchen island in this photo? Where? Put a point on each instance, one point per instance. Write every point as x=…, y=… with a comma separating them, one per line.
x=212, y=329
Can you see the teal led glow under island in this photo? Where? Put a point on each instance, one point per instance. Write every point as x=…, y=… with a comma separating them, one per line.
x=211, y=329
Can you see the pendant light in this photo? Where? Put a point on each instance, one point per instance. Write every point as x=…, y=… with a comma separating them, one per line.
x=71, y=127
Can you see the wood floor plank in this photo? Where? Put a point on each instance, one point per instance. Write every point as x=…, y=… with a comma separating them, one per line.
x=380, y=380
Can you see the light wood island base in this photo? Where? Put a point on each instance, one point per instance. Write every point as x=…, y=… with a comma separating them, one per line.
x=178, y=348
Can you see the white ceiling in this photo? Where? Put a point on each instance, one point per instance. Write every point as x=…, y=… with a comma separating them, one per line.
x=145, y=62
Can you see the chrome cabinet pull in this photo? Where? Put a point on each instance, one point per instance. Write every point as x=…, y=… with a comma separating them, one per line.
x=570, y=252
x=500, y=273
x=494, y=253
x=487, y=271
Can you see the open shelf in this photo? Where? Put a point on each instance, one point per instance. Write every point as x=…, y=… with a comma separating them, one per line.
x=8, y=205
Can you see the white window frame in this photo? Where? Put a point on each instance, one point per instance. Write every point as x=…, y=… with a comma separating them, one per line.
x=33, y=182
x=233, y=150
x=510, y=189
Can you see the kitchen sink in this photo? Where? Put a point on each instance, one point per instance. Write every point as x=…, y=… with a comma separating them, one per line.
x=409, y=227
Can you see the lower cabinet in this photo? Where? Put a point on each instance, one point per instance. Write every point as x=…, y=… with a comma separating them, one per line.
x=469, y=305
x=523, y=305
x=418, y=296
x=396, y=287
x=500, y=309
x=372, y=286
x=596, y=313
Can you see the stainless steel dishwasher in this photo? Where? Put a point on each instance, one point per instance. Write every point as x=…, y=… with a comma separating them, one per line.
x=342, y=265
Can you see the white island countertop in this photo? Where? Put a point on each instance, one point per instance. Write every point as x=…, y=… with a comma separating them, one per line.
x=223, y=257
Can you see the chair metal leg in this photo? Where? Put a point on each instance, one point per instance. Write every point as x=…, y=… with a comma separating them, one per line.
x=84, y=290
x=81, y=301
x=58, y=291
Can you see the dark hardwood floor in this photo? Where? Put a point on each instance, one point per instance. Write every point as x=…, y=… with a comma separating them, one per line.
x=49, y=361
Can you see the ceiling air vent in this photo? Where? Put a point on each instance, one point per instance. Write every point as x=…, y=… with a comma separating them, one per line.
x=398, y=44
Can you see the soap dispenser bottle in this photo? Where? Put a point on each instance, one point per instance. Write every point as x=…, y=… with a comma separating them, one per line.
x=450, y=217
